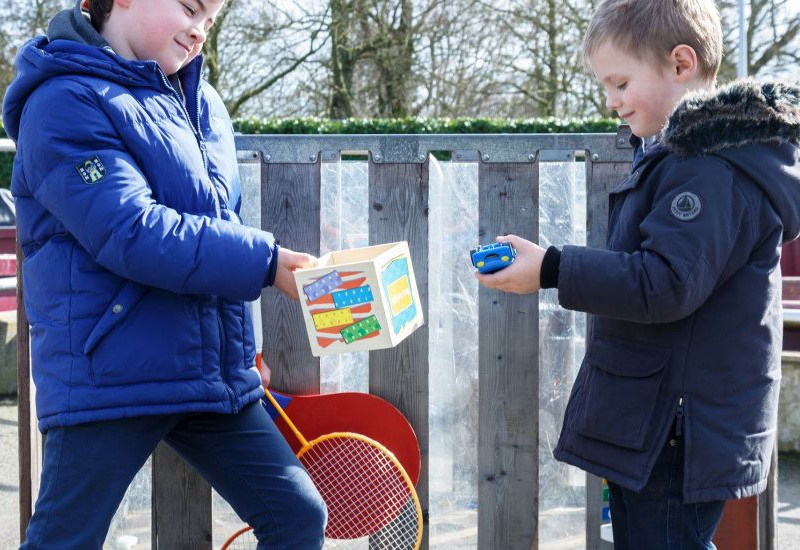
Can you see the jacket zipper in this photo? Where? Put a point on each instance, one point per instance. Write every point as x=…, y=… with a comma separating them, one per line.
x=195, y=126
x=679, y=418
x=201, y=144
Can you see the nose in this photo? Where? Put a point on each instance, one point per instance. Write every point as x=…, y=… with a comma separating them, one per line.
x=198, y=34
x=612, y=101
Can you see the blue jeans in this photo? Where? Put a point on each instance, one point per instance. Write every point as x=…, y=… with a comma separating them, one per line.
x=657, y=518
x=88, y=467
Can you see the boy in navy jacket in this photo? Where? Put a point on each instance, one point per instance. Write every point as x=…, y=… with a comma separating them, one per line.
x=676, y=401
x=137, y=271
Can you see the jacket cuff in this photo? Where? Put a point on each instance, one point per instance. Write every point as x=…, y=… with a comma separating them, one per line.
x=548, y=275
x=273, y=267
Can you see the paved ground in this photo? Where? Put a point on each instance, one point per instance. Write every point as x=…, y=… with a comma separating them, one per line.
x=788, y=488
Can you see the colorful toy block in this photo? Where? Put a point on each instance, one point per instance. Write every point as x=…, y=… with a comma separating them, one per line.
x=360, y=299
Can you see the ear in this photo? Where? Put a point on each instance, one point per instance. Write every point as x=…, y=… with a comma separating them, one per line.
x=683, y=62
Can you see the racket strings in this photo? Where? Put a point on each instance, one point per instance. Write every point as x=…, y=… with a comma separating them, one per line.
x=365, y=491
x=400, y=534
x=371, y=502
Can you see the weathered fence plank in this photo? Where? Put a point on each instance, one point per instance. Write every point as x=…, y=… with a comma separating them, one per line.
x=398, y=211
x=290, y=210
x=181, y=513
x=768, y=508
x=508, y=379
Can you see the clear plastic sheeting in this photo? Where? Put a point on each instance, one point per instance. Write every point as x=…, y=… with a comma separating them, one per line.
x=131, y=525
x=224, y=521
x=453, y=355
x=344, y=215
x=562, y=488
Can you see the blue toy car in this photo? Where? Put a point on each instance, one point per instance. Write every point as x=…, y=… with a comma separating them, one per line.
x=492, y=257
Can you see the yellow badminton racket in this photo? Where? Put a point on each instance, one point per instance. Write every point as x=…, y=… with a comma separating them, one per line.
x=365, y=488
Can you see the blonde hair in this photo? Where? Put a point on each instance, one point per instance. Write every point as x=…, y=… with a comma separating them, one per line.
x=650, y=29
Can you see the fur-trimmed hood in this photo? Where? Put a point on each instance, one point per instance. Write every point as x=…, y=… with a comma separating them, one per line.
x=740, y=113
x=754, y=126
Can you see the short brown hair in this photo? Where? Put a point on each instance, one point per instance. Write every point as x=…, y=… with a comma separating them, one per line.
x=99, y=11
x=652, y=28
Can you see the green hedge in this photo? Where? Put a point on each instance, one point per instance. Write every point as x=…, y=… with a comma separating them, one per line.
x=312, y=125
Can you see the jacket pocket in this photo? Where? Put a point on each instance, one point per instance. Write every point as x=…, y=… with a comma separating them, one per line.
x=621, y=392
x=119, y=308
x=146, y=335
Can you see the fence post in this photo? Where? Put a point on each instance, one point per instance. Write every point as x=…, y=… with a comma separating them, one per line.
x=26, y=411
x=508, y=371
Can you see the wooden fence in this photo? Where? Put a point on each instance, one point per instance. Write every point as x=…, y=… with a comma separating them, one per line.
x=508, y=402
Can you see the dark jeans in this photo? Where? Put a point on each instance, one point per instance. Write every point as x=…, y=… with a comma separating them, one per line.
x=657, y=518
x=88, y=467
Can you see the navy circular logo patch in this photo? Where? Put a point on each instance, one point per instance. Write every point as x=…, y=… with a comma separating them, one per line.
x=686, y=206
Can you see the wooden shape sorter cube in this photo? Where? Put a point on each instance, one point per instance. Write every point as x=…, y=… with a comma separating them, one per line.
x=360, y=299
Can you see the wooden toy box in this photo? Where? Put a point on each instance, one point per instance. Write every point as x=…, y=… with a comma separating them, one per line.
x=360, y=299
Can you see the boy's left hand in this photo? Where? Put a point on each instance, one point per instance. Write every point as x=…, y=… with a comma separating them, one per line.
x=288, y=261
x=523, y=275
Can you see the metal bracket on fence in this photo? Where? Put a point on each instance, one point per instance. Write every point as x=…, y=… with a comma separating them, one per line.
x=246, y=156
x=403, y=148
x=465, y=156
x=331, y=156
x=556, y=155
x=624, y=137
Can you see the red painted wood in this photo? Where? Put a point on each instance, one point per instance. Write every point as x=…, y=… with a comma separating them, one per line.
x=790, y=259
x=738, y=528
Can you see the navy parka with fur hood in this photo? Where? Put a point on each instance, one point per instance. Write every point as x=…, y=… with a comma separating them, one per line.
x=686, y=331
x=137, y=267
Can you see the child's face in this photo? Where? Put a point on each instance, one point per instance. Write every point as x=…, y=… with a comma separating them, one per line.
x=641, y=93
x=170, y=32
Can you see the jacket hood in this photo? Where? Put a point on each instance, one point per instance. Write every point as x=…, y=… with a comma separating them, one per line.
x=756, y=128
x=73, y=24
x=72, y=47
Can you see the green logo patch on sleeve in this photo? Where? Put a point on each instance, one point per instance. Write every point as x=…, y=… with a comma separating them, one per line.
x=91, y=170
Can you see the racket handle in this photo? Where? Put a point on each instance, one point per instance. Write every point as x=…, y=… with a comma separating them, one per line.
x=285, y=417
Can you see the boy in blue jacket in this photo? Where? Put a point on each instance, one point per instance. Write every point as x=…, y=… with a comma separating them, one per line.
x=676, y=400
x=137, y=271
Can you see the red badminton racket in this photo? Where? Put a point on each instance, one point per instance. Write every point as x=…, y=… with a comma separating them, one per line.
x=365, y=488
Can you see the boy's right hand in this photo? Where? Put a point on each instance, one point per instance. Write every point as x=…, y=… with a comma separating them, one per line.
x=288, y=261
x=523, y=276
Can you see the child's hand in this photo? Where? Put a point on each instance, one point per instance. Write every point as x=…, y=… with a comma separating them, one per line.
x=523, y=275
x=266, y=374
x=288, y=261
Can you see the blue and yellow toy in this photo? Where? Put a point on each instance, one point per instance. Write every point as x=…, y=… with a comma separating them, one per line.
x=492, y=257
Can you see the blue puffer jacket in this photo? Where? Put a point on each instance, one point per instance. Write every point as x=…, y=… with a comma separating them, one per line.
x=137, y=266
x=687, y=326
